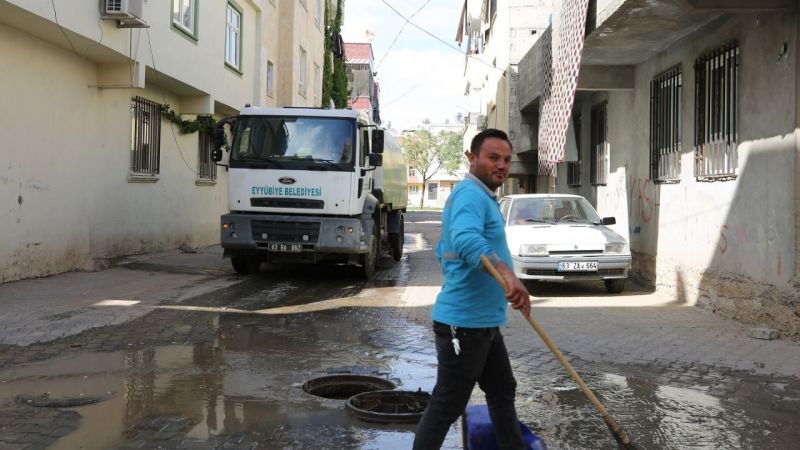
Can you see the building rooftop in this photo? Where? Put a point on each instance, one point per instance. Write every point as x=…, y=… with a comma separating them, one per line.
x=358, y=53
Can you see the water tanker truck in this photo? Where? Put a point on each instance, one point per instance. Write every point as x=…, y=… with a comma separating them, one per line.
x=310, y=185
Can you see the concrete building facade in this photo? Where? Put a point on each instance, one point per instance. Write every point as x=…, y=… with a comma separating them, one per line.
x=93, y=168
x=495, y=35
x=687, y=118
x=363, y=90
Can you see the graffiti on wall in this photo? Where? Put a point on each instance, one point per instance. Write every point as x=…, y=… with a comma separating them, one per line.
x=643, y=199
x=732, y=236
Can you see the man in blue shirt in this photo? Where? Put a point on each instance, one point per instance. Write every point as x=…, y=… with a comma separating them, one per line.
x=471, y=305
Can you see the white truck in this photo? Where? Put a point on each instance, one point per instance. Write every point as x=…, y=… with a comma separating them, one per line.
x=310, y=185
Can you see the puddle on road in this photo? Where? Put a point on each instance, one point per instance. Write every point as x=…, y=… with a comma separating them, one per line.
x=242, y=385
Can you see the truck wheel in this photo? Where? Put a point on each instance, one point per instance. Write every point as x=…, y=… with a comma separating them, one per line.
x=396, y=241
x=615, y=285
x=369, y=259
x=246, y=264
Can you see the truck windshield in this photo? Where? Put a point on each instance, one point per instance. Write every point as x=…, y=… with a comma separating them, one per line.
x=287, y=141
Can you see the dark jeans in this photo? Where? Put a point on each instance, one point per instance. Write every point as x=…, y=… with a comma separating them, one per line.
x=483, y=360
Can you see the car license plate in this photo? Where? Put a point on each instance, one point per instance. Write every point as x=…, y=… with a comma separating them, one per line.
x=577, y=266
x=285, y=248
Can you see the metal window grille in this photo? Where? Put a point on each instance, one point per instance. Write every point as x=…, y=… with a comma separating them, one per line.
x=206, y=168
x=600, y=147
x=145, y=136
x=665, y=126
x=574, y=167
x=716, y=126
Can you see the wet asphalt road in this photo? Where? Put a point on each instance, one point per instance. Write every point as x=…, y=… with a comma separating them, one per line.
x=223, y=367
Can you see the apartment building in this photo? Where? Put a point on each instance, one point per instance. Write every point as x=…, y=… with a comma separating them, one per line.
x=687, y=125
x=95, y=165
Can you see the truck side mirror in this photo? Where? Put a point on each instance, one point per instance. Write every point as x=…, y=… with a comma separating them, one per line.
x=609, y=221
x=375, y=159
x=218, y=139
x=377, y=141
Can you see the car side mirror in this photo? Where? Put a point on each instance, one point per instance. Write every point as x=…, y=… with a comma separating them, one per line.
x=377, y=141
x=609, y=221
x=375, y=159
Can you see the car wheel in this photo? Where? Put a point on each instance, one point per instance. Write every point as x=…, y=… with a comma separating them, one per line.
x=246, y=264
x=615, y=286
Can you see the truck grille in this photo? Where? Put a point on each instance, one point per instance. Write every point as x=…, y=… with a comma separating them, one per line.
x=287, y=203
x=278, y=231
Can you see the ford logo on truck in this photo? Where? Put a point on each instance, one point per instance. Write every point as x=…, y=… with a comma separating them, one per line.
x=286, y=180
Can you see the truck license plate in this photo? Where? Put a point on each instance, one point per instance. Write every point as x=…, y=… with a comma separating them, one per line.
x=285, y=248
x=577, y=266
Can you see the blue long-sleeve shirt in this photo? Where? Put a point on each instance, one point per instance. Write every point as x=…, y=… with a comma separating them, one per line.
x=471, y=226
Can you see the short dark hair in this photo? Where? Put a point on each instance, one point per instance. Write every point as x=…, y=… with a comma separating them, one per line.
x=477, y=141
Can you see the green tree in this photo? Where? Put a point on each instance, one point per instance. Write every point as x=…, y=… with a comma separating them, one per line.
x=427, y=154
x=327, y=63
x=339, y=93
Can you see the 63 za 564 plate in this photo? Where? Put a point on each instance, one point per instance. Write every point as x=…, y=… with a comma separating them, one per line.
x=577, y=266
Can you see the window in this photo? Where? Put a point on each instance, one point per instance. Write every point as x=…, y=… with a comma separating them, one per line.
x=145, y=137
x=318, y=12
x=233, y=38
x=716, y=122
x=301, y=72
x=665, y=126
x=184, y=16
x=206, y=168
x=433, y=191
x=574, y=167
x=413, y=189
x=412, y=172
x=270, y=79
x=317, y=85
x=599, y=145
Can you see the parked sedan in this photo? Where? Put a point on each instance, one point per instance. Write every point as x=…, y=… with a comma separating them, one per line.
x=560, y=237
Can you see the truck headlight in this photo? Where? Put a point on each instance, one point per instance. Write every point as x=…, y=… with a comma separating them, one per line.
x=617, y=247
x=533, y=250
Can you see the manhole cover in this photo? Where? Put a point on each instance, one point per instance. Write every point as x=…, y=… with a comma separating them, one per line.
x=345, y=386
x=389, y=406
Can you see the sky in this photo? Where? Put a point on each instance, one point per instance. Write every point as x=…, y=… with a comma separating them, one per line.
x=420, y=77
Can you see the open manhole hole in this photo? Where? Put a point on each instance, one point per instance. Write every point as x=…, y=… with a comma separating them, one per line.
x=344, y=386
x=389, y=406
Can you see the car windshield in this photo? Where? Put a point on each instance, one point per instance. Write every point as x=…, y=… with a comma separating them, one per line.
x=294, y=139
x=525, y=211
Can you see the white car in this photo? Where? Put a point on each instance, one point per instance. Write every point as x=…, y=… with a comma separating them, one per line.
x=560, y=237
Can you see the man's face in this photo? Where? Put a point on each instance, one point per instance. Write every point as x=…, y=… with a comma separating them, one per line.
x=492, y=163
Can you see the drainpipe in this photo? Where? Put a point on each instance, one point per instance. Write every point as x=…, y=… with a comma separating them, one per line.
x=797, y=153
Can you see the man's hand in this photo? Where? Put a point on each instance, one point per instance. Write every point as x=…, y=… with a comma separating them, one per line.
x=517, y=294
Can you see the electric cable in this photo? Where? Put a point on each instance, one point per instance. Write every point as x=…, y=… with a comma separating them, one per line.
x=397, y=36
x=440, y=39
x=55, y=15
x=171, y=125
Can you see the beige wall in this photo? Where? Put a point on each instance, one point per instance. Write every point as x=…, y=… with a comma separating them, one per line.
x=297, y=29
x=66, y=199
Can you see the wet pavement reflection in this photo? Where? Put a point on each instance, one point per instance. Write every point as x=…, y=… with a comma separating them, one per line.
x=182, y=378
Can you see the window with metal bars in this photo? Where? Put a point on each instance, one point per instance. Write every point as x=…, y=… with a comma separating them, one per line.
x=206, y=168
x=665, y=126
x=716, y=109
x=574, y=167
x=145, y=136
x=599, y=147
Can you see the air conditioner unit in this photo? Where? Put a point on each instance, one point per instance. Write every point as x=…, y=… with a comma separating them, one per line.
x=127, y=13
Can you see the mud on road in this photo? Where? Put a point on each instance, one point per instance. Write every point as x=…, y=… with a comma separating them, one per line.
x=223, y=368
